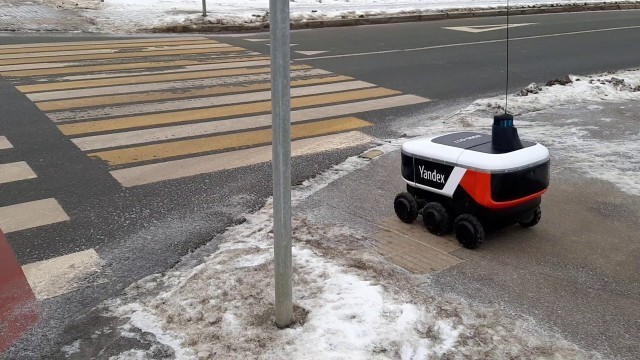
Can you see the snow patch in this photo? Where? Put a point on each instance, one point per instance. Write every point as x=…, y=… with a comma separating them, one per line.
x=549, y=116
x=71, y=349
x=128, y=15
x=144, y=320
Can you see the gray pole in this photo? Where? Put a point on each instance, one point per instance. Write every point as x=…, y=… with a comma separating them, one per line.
x=204, y=8
x=281, y=125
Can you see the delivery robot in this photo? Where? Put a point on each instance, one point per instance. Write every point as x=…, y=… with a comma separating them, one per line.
x=468, y=182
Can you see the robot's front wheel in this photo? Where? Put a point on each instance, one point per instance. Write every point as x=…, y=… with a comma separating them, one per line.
x=435, y=218
x=532, y=219
x=469, y=231
x=406, y=207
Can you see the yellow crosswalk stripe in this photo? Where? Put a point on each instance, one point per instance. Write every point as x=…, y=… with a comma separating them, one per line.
x=104, y=46
x=166, y=95
x=223, y=142
x=121, y=55
x=125, y=66
x=216, y=112
x=142, y=79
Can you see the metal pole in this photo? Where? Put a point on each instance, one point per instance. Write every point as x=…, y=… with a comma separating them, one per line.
x=281, y=125
x=204, y=8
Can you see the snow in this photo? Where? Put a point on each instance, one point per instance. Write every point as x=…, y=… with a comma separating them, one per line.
x=68, y=350
x=566, y=119
x=348, y=302
x=129, y=15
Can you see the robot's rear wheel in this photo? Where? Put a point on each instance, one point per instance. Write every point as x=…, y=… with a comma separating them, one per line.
x=532, y=219
x=406, y=207
x=435, y=218
x=469, y=231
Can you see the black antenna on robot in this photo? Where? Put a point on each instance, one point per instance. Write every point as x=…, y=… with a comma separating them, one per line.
x=506, y=91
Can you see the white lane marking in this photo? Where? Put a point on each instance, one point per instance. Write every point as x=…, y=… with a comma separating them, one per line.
x=63, y=274
x=229, y=160
x=28, y=56
x=31, y=214
x=169, y=85
x=470, y=43
x=188, y=68
x=15, y=172
x=4, y=143
x=309, y=53
x=236, y=124
x=96, y=114
x=257, y=40
x=484, y=28
x=289, y=45
x=122, y=41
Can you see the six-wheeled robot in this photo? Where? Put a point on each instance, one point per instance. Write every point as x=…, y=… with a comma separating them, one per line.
x=468, y=181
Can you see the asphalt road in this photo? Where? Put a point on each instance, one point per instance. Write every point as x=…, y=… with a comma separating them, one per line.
x=143, y=230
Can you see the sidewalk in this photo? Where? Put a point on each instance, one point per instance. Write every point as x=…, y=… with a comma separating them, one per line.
x=367, y=286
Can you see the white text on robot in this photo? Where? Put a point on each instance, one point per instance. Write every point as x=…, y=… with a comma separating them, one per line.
x=431, y=175
x=467, y=138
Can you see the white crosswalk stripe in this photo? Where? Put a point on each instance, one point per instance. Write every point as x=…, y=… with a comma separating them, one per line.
x=199, y=102
x=4, y=143
x=60, y=275
x=31, y=214
x=16, y=171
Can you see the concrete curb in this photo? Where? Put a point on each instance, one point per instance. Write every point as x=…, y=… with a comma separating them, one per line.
x=314, y=24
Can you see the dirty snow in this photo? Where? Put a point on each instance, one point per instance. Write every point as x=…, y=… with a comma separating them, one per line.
x=68, y=350
x=566, y=119
x=129, y=15
x=348, y=303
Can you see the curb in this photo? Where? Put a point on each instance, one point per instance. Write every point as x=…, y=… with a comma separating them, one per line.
x=374, y=20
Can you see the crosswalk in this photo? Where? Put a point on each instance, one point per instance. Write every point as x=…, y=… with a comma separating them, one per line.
x=167, y=108
x=30, y=214
x=33, y=213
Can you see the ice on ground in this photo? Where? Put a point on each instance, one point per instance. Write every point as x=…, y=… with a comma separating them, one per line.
x=68, y=350
x=348, y=302
x=574, y=121
x=129, y=15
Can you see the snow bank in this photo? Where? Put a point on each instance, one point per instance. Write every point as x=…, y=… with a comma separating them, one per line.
x=568, y=119
x=348, y=303
x=130, y=15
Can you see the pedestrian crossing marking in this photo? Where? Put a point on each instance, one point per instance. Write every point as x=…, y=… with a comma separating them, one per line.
x=224, y=142
x=214, y=112
x=123, y=55
x=37, y=55
x=16, y=171
x=175, y=169
x=166, y=95
x=201, y=102
x=36, y=49
x=146, y=79
x=4, y=143
x=60, y=275
x=175, y=86
x=172, y=111
x=116, y=43
x=126, y=66
x=134, y=137
x=155, y=72
x=31, y=214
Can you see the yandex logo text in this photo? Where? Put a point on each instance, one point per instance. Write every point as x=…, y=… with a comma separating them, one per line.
x=431, y=175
